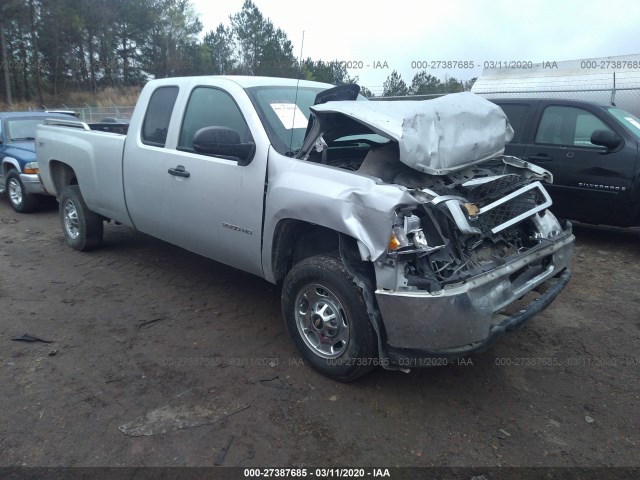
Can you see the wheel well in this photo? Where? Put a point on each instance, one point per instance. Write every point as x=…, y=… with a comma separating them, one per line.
x=7, y=167
x=62, y=175
x=295, y=240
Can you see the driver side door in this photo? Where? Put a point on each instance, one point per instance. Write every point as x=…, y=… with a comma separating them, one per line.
x=207, y=204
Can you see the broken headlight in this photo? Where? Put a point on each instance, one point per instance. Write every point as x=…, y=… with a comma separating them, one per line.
x=407, y=237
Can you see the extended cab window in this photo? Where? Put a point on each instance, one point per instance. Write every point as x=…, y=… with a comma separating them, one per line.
x=628, y=120
x=158, y=116
x=568, y=126
x=211, y=107
x=517, y=115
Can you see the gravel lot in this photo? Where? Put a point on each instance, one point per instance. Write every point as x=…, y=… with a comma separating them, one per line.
x=193, y=358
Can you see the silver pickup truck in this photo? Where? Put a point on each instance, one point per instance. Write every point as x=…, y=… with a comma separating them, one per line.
x=398, y=231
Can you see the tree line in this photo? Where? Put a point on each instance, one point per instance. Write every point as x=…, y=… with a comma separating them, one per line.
x=423, y=83
x=49, y=47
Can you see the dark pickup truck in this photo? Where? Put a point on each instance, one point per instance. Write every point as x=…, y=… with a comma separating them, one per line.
x=591, y=150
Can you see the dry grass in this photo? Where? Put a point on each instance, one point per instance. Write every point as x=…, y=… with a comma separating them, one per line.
x=108, y=97
x=17, y=107
x=104, y=98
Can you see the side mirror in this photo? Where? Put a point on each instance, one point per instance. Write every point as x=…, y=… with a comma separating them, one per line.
x=223, y=142
x=606, y=138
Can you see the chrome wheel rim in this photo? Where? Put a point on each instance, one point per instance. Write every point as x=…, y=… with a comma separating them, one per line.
x=15, y=191
x=322, y=321
x=71, y=224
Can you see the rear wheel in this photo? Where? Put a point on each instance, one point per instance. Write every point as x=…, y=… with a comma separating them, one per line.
x=82, y=228
x=327, y=318
x=20, y=200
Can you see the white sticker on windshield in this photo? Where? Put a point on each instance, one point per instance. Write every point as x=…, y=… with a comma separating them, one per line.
x=290, y=115
x=633, y=122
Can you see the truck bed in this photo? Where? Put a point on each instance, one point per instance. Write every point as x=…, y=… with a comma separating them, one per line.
x=96, y=157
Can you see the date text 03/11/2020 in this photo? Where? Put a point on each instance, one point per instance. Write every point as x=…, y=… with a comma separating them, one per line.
x=317, y=472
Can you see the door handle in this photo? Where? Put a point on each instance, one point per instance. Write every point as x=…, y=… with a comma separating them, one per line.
x=542, y=157
x=179, y=171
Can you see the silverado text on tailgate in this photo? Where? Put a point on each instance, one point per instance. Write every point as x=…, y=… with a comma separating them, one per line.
x=398, y=231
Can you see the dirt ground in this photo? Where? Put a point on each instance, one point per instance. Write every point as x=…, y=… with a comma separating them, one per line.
x=149, y=338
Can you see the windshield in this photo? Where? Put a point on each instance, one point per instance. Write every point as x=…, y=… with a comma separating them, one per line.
x=284, y=113
x=628, y=120
x=22, y=129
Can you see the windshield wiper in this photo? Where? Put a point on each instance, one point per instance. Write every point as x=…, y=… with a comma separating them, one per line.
x=22, y=139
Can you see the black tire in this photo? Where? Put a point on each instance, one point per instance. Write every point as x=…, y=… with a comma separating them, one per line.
x=320, y=281
x=20, y=200
x=82, y=228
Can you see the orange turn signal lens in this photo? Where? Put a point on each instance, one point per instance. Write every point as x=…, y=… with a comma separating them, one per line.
x=394, y=244
x=31, y=167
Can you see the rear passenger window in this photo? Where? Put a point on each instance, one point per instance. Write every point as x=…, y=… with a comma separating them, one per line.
x=158, y=116
x=569, y=126
x=517, y=115
x=211, y=107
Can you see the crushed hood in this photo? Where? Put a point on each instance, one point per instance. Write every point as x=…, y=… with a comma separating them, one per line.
x=434, y=136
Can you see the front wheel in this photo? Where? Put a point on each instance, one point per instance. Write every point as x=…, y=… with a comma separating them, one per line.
x=327, y=318
x=20, y=200
x=82, y=228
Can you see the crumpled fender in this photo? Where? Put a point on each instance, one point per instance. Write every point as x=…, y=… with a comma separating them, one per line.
x=340, y=200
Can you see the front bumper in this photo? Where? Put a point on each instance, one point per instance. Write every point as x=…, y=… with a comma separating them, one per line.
x=32, y=183
x=465, y=318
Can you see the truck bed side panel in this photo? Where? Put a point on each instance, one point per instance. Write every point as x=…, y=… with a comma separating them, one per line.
x=96, y=159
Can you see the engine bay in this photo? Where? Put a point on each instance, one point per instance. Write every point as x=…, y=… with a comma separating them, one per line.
x=467, y=222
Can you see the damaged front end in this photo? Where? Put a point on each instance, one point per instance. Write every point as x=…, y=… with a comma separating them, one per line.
x=479, y=240
x=466, y=253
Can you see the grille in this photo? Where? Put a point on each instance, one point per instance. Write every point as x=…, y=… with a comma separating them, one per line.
x=487, y=192
x=519, y=205
x=514, y=207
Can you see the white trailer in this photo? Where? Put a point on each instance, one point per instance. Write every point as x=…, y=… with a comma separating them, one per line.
x=604, y=80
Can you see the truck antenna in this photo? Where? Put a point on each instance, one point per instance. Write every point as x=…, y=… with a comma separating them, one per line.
x=295, y=102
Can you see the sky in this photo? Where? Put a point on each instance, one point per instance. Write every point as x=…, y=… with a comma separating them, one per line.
x=376, y=37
